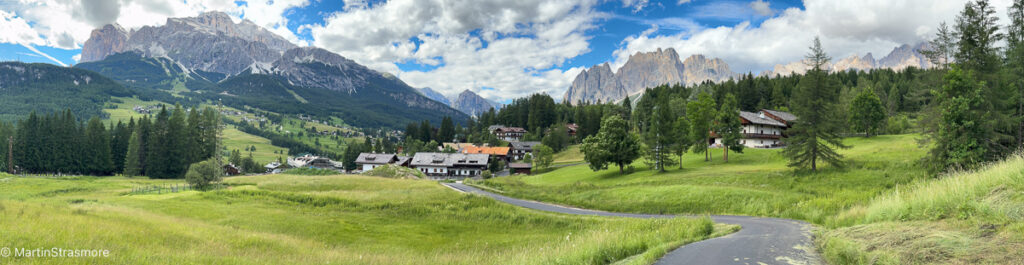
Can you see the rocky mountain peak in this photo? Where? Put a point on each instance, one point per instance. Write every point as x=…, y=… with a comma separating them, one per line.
x=644, y=70
x=104, y=41
x=471, y=103
x=316, y=67
x=194, y=42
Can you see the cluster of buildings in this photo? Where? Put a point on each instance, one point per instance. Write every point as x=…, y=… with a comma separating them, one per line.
x=764, y=129
x=515, y=134
x=468, y=161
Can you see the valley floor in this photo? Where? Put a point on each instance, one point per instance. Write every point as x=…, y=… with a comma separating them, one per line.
x=883, y=208
x=291, y=219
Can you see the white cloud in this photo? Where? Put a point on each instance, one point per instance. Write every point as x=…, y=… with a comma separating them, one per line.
x=76, y=57
x=846, y=28
x=514, y=46
x=762, y=7
x=683, y=2
x=67, y=24
x=16, y=30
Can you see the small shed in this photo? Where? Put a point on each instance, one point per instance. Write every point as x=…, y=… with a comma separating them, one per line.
x=231, y=170
x=520, y=168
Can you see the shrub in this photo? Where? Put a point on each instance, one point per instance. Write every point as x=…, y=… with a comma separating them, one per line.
x=391, y=171
x=486, y=174
x=203, y=174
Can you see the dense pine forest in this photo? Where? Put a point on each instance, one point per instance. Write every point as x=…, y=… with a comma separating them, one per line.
x=162, y=146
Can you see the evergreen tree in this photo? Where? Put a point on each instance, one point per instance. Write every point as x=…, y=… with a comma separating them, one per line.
x=729, y=127
x=1015, y=65
x=447, y=131
x=701, y=114
x=426, y=132
x=155, y=164
x=683, y=141
x=866, y=113
x=612, y=144
x=120, y=136
x=133, y=158
x=963, y=138
x=660, y=136
x=99, y=160
x=815, y=134
x=942, y=47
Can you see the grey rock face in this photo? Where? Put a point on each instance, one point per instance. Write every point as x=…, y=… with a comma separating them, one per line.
x=210, y=42
x=906, y=56
x=104, y=41
x=316, y=67
x=596, y=84
x=471, y=103
x=436, y=96
x=644, y=70
x=900, y=58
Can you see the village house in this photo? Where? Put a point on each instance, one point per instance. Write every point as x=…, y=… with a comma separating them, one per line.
x=764, y=129
x=520, y=149
x=446, y=166
x=572, y=128
x=274, y=167
x=496, y=153
x=508, y=134
x=369, y=161
x=456, y=146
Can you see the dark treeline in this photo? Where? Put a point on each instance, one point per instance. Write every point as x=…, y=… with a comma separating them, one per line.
x=162, y=146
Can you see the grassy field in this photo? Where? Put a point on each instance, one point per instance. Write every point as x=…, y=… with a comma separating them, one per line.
x=570, y=155
x=233, y=139
x=963, y=218
x=289, y=219
x=125, y=109
x=757, y=182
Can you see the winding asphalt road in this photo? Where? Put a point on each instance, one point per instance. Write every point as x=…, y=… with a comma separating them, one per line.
x=760, y=241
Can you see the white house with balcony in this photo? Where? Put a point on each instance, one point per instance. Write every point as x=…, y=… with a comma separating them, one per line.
x=764, y=129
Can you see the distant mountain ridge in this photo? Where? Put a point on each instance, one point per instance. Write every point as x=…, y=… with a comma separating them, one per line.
x=649, y=69
x=246, y=65
x=644, y=70
x=471, y=103
x=210, y=42
x=899, y=58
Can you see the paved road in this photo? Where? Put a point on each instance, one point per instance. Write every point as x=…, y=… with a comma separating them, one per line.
x=760, y=241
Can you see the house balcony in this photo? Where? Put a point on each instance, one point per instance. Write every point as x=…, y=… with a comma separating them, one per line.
x=761, y=136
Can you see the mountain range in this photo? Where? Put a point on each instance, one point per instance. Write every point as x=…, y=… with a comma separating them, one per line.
x=210, y=57
x=649, y=69
x=467, y=101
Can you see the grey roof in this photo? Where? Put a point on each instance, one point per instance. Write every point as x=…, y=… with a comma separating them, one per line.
x=520, y=165
x=523, y=145
x=788, y=117
x=759, y=119
x=371, y=158
x=449, y=160
x=494, y=127
x=402, y=160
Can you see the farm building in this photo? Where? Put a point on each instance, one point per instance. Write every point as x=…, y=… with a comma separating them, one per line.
x=369, y=161
x=520, y=149
x=764, y=129
x=519, y=168
x=444, y=165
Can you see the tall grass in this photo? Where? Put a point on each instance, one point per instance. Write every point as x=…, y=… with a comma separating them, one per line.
x=289, y=219
x=983, y=193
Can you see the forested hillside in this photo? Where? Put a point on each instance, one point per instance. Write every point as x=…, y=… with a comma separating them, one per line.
x=47, y=88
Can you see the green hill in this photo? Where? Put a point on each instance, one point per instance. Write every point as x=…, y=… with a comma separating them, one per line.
x=47, y=88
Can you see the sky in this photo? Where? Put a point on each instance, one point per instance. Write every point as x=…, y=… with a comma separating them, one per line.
x=505, y=49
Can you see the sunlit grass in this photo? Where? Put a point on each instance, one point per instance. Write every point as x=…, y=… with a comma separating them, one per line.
x=756, y=182
x=292, y=219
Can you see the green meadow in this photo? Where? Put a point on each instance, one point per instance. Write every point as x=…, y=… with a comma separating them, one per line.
x=882, y=208
x=756, y=182
x=300, y=219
